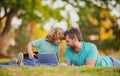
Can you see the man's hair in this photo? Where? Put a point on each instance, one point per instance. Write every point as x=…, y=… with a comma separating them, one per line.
x=55, y=33
x=72, y=32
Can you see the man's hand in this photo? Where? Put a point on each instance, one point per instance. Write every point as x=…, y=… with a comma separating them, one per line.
x=63, y=64
x=68, y=63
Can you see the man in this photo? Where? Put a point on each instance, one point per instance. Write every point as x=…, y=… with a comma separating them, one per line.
x=82, y=53
x=48, y=45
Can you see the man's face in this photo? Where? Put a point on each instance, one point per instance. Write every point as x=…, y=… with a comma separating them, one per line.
x=69, y=41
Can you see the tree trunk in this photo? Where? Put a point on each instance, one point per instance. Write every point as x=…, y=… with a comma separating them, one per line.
x=5, y=34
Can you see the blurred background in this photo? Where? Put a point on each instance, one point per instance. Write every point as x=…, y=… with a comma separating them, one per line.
x=22, y=21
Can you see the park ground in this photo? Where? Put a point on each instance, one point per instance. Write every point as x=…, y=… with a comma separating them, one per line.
x=58, y=70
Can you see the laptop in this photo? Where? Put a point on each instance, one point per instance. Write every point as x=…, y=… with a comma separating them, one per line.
x=48, y=59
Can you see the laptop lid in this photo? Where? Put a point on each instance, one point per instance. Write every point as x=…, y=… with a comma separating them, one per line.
x=48, y=59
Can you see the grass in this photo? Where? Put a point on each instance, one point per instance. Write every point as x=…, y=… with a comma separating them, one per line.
x=58, y=70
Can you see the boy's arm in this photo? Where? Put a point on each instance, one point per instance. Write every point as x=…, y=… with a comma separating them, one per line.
x=30, y=52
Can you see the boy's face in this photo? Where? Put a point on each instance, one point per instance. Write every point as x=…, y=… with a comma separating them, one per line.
x=57, y=41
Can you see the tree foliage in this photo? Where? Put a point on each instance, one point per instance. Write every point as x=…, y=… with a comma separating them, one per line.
x=93, y=17
x=27, y=10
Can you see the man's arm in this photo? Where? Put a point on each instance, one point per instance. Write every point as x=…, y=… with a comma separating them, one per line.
x=68, y=62
x=90, y=62
x=30, y=52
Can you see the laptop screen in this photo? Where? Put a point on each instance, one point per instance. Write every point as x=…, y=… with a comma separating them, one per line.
x=48, y=59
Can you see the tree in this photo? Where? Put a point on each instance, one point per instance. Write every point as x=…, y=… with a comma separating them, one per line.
x=27, y=10
x=93, y=14
x=12, y=8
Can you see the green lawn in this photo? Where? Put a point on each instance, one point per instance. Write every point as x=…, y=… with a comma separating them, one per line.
x=59, y=71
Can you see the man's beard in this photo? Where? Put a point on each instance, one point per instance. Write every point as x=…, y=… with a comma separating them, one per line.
x=72, y=48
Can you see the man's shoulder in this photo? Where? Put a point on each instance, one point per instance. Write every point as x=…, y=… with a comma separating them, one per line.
x=88, y=44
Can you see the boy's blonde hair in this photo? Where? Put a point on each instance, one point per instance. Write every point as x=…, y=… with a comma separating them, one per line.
x=55, y=33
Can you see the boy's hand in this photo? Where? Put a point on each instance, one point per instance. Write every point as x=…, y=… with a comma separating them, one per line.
x=31, y=55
